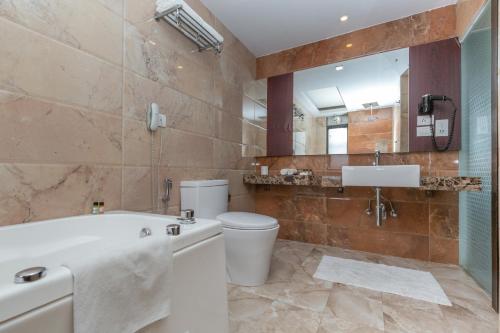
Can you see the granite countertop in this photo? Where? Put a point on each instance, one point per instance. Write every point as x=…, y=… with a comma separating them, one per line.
x=428, y=183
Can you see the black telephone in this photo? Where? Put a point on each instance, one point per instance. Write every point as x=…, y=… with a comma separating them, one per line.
x=427, y=107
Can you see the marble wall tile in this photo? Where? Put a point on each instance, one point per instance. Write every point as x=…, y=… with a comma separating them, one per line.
x=137, y=140
x=236, y=185
x=434, y=25
x=62, y=75
x=229, y=128
x=242, y=203
x=182, y=149
x=420, y=216
x=443, y=221
x=76, y=23
x=136, y=195
x=139, y=11
x=310, y=209
x=27, y=133
x=227, y=97
x=467, y=11
x=29, y=61
x=376, y=241
x=227, y=155
x=116, y=6
x=444, y=250
x=36, y=192
x=152, y=51
x=183, y=112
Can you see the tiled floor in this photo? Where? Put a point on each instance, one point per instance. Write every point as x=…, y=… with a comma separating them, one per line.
x=293, y=301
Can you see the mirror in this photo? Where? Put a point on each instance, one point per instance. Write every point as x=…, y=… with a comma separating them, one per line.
x=353, y=107
x=254, y=125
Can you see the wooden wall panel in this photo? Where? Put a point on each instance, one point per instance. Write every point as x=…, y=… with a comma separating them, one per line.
x=280, y=115
x=434, y=69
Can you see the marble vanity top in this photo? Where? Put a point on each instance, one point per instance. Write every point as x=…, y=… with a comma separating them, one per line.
x=428, y=183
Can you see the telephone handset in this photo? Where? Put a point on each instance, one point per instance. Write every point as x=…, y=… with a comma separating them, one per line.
x=427, y=107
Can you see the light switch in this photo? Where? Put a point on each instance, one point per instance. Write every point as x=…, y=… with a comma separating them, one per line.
x=424, y=120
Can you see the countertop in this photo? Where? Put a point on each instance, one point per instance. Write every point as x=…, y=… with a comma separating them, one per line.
x=428, y=183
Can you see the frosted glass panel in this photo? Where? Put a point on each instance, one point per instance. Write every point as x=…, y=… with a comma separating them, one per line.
x=475, y=156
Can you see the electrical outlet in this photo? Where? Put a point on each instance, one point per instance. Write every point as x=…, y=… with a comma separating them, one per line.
x=441, y=127
x=424, y=131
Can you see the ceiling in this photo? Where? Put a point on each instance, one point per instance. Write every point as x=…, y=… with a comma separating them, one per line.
x=268, y=26
x=374, y=78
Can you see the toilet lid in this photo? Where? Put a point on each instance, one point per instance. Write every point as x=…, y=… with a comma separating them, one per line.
x=247, y=221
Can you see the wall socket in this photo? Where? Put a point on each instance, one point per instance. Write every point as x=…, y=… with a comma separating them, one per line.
x=441, y=127
x=424, y=131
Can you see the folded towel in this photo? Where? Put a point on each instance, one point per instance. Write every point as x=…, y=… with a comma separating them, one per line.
x=164, y=5
x=122, y=288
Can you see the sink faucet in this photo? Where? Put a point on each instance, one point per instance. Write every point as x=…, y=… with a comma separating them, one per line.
x=381, y=213
x=377, y=157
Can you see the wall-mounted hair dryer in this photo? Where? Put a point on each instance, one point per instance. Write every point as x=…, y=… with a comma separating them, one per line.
x=426, y=106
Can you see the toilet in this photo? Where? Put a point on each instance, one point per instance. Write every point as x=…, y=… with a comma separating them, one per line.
x=249, y=238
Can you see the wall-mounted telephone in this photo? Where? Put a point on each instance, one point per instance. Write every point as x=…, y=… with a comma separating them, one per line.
x=426, y=107
x=154, y=118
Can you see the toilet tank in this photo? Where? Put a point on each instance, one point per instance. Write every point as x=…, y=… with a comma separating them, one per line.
x=208, y=198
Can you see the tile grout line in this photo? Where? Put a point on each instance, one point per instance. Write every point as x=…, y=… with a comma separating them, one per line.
x=122, y=189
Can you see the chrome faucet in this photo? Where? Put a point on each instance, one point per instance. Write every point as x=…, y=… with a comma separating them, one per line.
x=380, y=211
x=377, y=157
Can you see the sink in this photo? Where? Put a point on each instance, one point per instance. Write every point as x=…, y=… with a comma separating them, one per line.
x=381, y=176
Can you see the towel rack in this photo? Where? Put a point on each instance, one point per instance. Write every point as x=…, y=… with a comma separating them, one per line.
x=191, y=28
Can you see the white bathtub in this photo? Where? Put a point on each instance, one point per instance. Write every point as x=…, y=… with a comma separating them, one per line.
x=199, y=301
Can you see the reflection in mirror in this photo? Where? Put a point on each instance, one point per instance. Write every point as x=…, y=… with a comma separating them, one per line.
x=254, y=119
x=357, y=106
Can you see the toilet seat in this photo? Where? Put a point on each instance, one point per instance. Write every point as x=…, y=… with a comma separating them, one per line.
x=247, y=221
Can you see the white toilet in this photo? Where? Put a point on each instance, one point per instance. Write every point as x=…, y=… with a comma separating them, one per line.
x=249, y=237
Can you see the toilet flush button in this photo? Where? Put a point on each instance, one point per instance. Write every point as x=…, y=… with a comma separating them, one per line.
x=30, y=274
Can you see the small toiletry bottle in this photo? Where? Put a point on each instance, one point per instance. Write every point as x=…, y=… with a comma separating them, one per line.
x=264, y=170
x=95, y=208
x=101, y=207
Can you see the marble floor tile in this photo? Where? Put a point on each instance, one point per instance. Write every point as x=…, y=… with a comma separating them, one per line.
x=293, y=301
x=250, y=314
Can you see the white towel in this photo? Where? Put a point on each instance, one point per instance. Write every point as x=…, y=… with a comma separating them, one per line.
x=122, y=288
x=163, y=5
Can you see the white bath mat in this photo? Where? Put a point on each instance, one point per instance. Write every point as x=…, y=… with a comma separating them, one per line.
x=388, y=279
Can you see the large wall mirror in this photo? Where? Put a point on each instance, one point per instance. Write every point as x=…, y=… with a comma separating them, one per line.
x=353, y=107
x=365, y=104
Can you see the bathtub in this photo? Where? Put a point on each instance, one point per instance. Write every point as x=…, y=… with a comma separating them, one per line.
x=199, y=299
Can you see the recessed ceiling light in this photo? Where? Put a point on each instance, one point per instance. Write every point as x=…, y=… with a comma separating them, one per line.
x=348, y=45
x=180, y=67
x=344, y=18
x=339, y=68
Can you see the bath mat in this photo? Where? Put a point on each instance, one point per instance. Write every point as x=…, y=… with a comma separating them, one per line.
x=388, y=279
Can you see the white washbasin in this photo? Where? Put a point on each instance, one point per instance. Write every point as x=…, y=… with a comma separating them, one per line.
x=381, y=176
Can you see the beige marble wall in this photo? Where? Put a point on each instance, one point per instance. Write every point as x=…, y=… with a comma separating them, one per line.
x=75, y=81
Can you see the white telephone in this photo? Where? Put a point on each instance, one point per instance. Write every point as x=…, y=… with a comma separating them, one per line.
x=154, y=118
